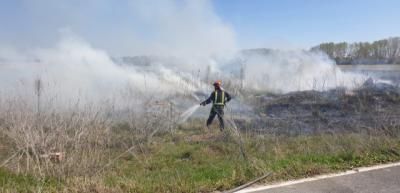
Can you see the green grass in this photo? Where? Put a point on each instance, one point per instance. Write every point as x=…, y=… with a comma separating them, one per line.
x=182, y=167
x=11, y=182
x=214, y=165
x=174, y=163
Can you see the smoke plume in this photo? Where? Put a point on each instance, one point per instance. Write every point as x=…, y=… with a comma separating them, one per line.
x=182, y=41
x=286, y=71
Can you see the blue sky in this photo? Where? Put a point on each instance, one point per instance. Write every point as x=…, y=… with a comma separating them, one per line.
x=256, y=23
x=306, y=23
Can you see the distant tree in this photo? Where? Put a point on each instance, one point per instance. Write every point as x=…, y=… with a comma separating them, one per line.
x=386, y=51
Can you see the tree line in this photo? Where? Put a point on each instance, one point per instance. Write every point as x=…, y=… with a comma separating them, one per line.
x=386, y=51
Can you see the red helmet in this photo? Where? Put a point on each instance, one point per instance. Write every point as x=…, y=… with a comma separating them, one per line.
x=217, y=83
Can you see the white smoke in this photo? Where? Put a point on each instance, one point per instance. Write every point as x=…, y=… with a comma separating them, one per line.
x=74, y=69
x=286, y=71
x=186, y=29
x=79, y=63
x=189, y=30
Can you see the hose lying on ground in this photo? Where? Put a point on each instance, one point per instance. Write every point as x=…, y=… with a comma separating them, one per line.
x=248, y=184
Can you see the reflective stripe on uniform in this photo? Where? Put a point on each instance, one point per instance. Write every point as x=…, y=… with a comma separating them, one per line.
x=222, y=99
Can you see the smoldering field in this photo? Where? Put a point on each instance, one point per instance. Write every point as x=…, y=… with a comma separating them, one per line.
x=71, y=111
x=94, y=109
x=111, y=113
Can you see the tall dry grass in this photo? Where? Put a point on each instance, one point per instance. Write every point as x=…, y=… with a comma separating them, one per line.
x=88, y=137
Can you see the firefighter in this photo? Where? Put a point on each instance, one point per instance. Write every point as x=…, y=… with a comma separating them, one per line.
x=219, y=98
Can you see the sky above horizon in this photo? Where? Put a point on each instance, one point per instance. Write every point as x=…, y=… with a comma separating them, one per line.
x=305, y=23
x=284, y=24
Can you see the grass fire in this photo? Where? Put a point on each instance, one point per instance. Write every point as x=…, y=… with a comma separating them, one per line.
x=132, y=97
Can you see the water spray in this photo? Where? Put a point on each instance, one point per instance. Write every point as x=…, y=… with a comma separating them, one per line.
x=189, y=112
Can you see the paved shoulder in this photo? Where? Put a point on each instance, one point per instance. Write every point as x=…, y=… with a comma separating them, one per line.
x=384, y=180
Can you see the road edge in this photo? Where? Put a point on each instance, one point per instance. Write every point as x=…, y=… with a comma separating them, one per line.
x=319, y=177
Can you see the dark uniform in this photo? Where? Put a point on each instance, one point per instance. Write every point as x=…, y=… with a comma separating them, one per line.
x=219, y=98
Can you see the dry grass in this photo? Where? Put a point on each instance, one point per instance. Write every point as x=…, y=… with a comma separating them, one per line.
x=146, y=151
x=176, y=163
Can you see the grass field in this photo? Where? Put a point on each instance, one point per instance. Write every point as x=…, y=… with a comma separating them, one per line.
x=194, y=160
x=385, y=72
x=151, y=152
x=386, y=67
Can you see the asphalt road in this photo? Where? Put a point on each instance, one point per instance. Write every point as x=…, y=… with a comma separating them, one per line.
x=385, y=180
